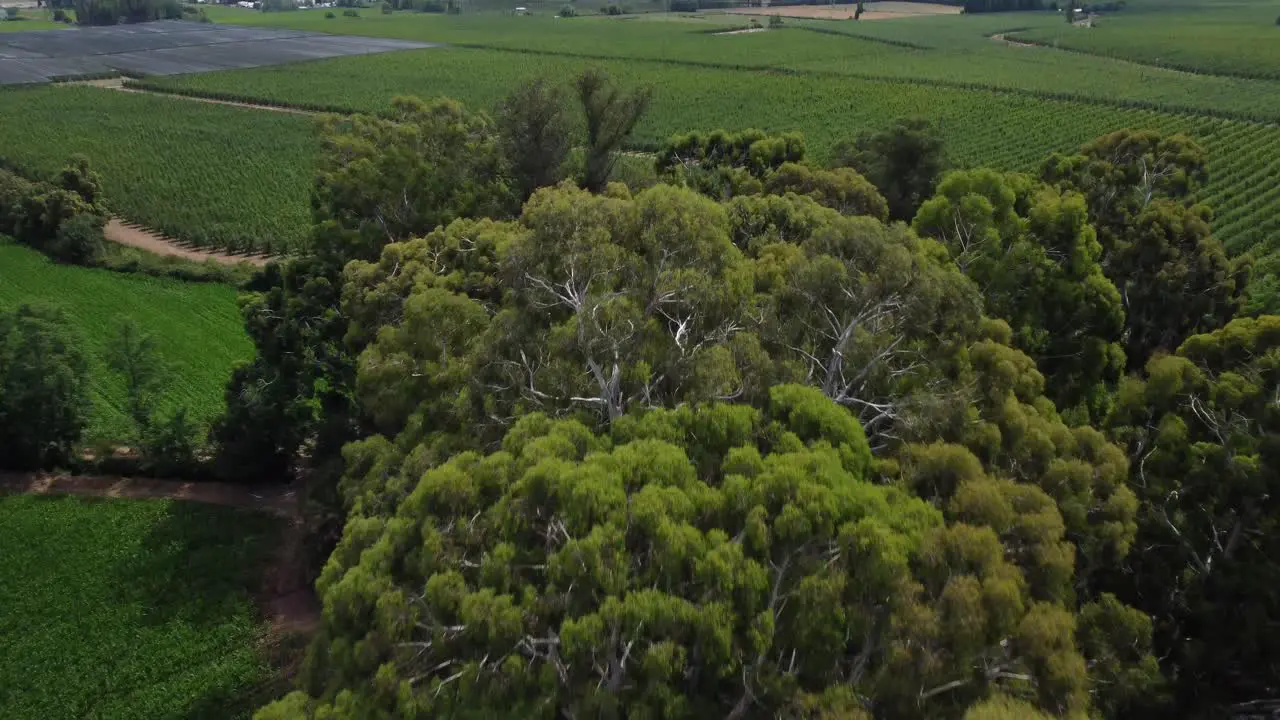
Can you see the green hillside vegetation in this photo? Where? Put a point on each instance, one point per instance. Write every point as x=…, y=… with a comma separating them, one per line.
x=197, y=327
x=129, y=609
x=1239, y=38
x=207, y=174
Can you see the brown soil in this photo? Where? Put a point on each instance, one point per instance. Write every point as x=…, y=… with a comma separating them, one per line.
x=119, y=231
x=872, y=11
x=286, y=599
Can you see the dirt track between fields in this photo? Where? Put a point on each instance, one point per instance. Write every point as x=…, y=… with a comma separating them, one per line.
x=871, y=11
x=136, y=236
x=117, y=83
x=286, y=599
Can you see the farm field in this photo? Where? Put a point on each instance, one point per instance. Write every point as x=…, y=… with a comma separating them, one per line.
x=197, y=327
x=1005, y=130
x=129, y=609
x=211, y=175
x=946, y=51
x=1235, y=38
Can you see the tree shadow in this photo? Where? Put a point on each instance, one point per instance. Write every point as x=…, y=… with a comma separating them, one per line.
x=200, y=564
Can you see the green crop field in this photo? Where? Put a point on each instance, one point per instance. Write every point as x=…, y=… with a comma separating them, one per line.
x=197, y=327
x=129, y=609
x=982, y=128
x=1216, y=37
x=213, y=175
x=951, y=50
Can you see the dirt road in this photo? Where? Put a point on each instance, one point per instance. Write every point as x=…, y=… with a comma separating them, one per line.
x=124, y=233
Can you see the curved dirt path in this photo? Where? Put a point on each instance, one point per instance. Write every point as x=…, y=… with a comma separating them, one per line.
x=125, y=233
x=287, y=599
x=1002, y=38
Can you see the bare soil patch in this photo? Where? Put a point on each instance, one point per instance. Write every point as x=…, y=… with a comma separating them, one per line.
x=873, y=11
x=119, y=231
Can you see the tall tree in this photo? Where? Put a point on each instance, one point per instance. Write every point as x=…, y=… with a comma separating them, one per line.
x=1174, y=277
x=535, y=132
x=44, y=403
x=1202, y=428
x=381, y=179
x=712, y=560
x=1034, y=255
x=610, y=114
x=905, y=161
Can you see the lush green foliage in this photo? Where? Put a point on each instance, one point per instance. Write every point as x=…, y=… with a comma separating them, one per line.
x=198, y=331
x=129, y=609
x=212, y=175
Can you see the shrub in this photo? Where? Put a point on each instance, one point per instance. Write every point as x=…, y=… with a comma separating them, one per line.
x=329, y=15
x=775, y=21
x=79, y=239
x=169, y=446
x=684, y=6
x=429, y=6
x=386, y=8
x=351, y=13
x=612, y=10
x=568, y=11
x=11, y=13
x=60, y=15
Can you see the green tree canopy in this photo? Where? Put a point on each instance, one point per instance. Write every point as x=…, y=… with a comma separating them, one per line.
x=1202, y=429
x=905, y=161
x=1174, y=277
x=1032, y=252
x=709, y=560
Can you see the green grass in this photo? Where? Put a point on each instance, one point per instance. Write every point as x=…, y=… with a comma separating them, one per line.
x=982, y=128
x=210, y=174
x=31, y=20
x=129, y=609
x=1217, y=37
x=197, y=327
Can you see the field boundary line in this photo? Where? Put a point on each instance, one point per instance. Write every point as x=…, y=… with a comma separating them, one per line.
x=129, y=85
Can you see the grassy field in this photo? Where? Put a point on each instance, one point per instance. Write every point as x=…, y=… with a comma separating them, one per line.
x=197, y=327
x=1217, y=37
x=30, y=20
x=129, y=609
x=214, y=175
